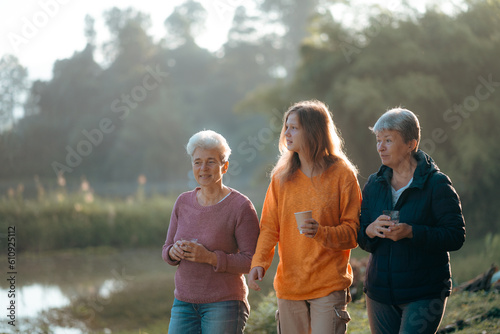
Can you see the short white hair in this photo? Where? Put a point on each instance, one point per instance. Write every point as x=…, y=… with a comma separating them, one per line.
x=208, y=140
x=402, y=120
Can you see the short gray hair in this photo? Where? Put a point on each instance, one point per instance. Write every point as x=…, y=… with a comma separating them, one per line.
x=207, y=140
x=401, y=120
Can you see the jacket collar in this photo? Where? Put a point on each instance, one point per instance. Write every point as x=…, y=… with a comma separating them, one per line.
x=425, y=167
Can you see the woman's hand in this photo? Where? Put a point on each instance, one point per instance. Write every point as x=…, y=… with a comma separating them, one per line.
x=400, y=231
x=310, y=228
x=175, y=252
x=256, y=274
x=380, y=227
x=383, y=227
x=196, y=252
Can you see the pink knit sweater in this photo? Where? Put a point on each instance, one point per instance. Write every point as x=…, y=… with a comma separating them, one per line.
x=230, y=229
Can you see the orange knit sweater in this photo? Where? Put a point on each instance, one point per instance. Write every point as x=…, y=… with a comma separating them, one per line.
x=310, y=268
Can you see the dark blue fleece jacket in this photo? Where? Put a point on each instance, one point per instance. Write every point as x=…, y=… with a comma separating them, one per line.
x=418, y=268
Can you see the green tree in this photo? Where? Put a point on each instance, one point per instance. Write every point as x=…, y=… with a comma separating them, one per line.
x=441, y=66
x=13, y=85
x=185, y=23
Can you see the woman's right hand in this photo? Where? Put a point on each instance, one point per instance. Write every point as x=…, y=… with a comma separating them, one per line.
x=380, y=226
x=257, y=273
x=176, y=252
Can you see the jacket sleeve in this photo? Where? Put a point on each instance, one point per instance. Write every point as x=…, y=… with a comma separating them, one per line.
x=169, y=242
x=448, y=234
x=365, y=242
x=269, y=228
x=344, y=235
x=246, y=234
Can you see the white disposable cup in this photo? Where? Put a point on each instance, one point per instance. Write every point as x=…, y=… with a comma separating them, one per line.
x=300, y=217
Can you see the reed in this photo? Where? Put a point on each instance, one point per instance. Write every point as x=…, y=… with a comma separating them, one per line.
x=61, y=220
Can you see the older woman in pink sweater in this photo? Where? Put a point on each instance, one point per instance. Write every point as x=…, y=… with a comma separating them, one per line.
x=212, y=236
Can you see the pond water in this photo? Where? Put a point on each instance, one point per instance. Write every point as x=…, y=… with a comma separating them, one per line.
x=49, y=281
x=32, y=299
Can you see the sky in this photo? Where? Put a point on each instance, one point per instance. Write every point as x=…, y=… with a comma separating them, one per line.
x=39, y=32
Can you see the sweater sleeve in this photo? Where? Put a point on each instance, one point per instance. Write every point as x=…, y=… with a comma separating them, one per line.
x=246, y=234
x=344, y=235
x=449, y=232
x=169, y=242
x=365, y=242
x=269, y=228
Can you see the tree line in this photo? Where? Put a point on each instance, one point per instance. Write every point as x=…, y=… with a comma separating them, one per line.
x=132, y=114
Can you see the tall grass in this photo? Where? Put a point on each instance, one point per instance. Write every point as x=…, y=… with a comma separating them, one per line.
x=60, y=220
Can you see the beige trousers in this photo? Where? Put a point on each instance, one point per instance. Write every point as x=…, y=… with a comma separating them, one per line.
x=314, y=316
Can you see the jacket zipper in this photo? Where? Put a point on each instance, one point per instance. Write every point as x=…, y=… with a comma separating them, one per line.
x=391, y=289
x=390, y=252
x=390, y=249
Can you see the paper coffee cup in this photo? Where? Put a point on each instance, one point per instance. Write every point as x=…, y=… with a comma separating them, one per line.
x=300, y=217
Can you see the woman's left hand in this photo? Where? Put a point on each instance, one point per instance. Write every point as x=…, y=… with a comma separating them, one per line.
x=196, y=252
x=399, y=231
x=309, y=228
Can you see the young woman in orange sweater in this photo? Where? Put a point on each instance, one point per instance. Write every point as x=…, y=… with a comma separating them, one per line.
x=313, y=173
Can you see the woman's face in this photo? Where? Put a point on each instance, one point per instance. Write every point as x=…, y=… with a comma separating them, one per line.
x=294, y=133
x=208, y=167
x=392, y=148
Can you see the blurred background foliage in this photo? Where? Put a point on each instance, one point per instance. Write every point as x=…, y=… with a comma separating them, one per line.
x=133, y=113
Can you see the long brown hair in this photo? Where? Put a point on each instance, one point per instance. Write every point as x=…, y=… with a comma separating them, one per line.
x=323, y=144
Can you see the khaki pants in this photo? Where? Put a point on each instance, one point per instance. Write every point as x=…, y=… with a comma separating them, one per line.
x=314, y=316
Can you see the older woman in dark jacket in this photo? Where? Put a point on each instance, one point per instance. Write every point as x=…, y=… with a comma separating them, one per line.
x=408, y=278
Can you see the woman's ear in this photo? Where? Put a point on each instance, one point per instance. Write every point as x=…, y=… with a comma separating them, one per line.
x=225, y=166
x=413, y=145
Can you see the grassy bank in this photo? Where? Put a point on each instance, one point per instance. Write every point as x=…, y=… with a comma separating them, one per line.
x=468, y=310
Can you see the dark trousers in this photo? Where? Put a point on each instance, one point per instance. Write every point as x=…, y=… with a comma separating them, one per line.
x=418, y=317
